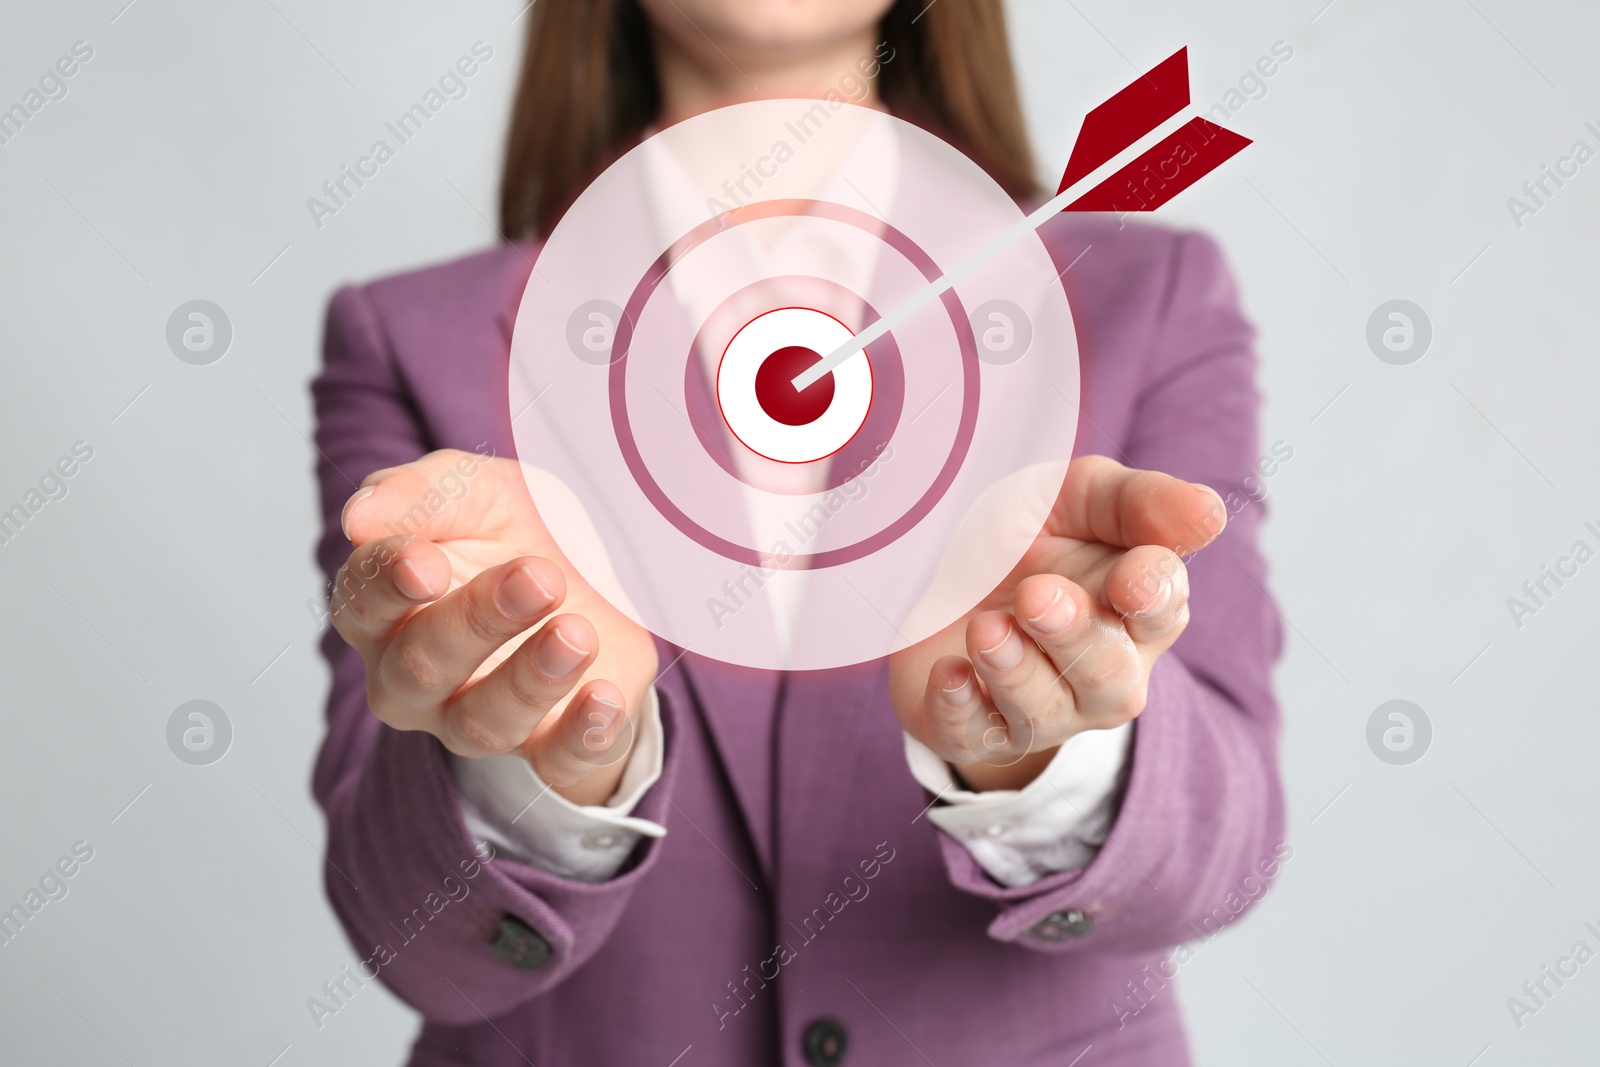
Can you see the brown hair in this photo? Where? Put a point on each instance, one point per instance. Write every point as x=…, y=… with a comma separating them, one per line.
x=588, y=90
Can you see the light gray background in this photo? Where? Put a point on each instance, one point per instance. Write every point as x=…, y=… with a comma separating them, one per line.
x=1418, y=499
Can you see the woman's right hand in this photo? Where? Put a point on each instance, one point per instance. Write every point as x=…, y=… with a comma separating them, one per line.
x=451, y=571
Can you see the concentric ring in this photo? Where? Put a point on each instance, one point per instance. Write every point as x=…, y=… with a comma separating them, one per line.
x=888, y=376
x=765, y=412
x=622, y=342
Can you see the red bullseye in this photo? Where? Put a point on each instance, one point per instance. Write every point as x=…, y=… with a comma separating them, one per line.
x=759, y=402
x=777, y=395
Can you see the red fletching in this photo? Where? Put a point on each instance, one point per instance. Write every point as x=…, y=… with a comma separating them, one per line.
x=1129, y=115
x=1156, y=176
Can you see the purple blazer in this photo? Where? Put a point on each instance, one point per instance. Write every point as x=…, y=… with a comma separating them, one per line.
x=800, y=909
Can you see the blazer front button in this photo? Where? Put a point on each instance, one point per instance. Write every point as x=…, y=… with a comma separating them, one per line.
x=825, y=1043
x=1064, y=925
x=519, y=945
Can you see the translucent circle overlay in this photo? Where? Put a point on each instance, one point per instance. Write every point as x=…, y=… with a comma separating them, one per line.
x=950, y=460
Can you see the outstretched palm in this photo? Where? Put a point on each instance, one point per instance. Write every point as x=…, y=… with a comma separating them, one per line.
x=1066, y=642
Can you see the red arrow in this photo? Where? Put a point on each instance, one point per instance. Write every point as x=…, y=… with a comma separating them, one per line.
x=1149, y=180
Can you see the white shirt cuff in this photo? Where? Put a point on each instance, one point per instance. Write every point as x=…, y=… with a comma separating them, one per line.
x=507, y=804
x=1056, y=822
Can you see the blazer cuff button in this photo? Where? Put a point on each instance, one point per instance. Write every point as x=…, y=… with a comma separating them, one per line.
x=1063, y=925
x=519, y=945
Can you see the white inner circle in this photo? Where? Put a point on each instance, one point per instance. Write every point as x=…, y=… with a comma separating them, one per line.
x=760, y=432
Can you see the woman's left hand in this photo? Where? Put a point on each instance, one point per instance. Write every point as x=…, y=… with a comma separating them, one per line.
x=1067, y=641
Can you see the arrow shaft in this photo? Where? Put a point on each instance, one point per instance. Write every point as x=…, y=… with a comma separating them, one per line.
x=1014, y=233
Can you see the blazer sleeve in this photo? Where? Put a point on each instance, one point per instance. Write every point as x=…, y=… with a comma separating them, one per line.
x=1200, y=829
x=458, y=937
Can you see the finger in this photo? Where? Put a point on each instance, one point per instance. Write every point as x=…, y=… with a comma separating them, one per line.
x=955, y=719
x=499, y=711
x=593, y=731
x=444, y=494
x=437, y=650
x=1023, y=683
x=1149, y=588
x=382, y=583
x=1101, y=500
x=1090, y=650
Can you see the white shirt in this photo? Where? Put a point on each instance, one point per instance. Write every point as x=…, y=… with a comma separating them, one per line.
x=1057, y=822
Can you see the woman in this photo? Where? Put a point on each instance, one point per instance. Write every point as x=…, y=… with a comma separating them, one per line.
x=966, y=854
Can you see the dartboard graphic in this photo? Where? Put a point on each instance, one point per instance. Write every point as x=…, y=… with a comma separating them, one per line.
x=654, y=371
x=795, y=383
x=653, y=384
